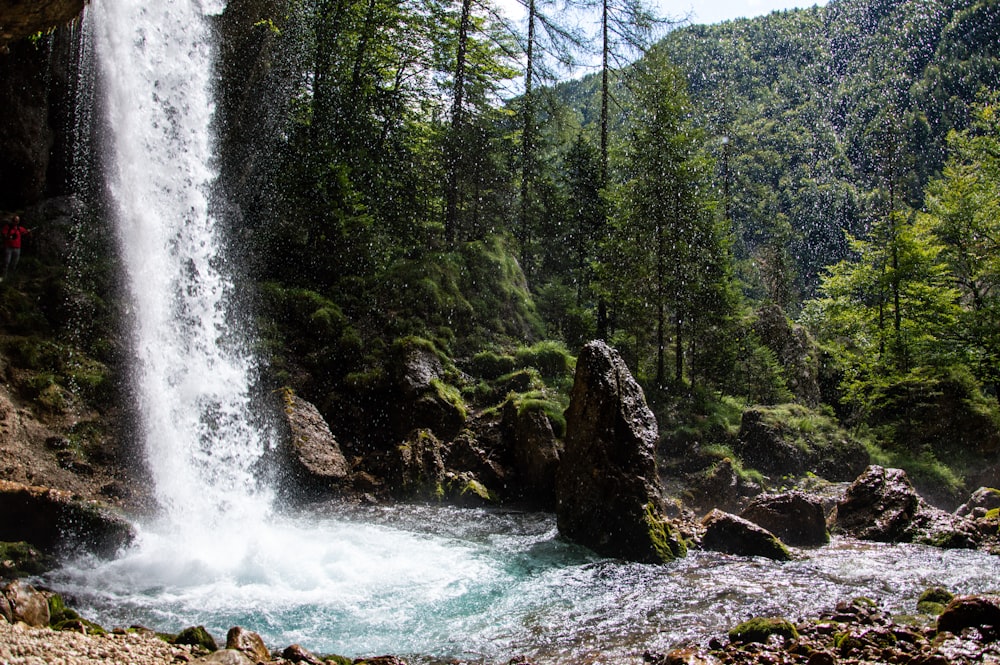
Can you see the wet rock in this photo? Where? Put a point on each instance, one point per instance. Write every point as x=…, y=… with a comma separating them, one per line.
x=882, y=505
x=794, y=517
x=934, y=600
x=760, y=629
x=26, y=604
x=535, y=453
x=298, y=654
x=683, y=656
x=316, y=458
x=247, y=642
x=608, y=493
x=980, y=612
x=730, y=534
x=22, y=560
x=983, y=499
x=196, y=636
x=720, y=486
x=419, y=465
x=426, y=401
x=52, y=519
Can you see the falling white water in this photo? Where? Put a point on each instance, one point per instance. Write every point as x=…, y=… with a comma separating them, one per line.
x=193, y=374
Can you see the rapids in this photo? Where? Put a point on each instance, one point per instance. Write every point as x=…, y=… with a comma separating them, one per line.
x=484, y=585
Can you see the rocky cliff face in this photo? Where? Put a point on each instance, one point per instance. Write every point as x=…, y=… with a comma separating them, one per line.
x=23, y=18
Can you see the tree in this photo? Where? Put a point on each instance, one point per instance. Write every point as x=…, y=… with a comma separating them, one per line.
x=669, y=247
x=963, y=211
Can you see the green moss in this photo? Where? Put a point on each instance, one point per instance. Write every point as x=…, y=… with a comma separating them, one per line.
x=933, y=600
x=667, y=543
x=550, y=358
x=491, y=365
x=759, y=629
x=847, y=643
x=476, y=488
x=20, y=559
x=450, y=394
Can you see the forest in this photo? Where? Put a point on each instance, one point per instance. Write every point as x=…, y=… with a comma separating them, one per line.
x=837, y=165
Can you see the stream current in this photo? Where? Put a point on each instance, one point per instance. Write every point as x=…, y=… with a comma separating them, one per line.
x=482, y=586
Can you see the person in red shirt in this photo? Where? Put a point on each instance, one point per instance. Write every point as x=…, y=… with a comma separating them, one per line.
x=12, y=234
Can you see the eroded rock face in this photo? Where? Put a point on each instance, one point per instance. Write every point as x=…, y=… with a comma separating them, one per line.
x=424, y=399
x=316, y=458
x=52, y=520
x=535, y=454
x=22, y=18
x=794, y=517
x=248, y=643
x=882, y=505
x=728, y=533
x=608, y=494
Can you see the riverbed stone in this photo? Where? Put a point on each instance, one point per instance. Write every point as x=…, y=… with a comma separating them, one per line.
x=27, y=604
x=297, y=654
x=983, y=499
x=725, y=532
x=608, y=493
x=226, y=657
x=316, y=458
x=981, y=612
x=248, y=642
x=883, y=506
x=794, y=517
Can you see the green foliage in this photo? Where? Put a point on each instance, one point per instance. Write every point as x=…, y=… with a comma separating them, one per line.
x=666, y=541
x=544, y=401
x=759, y=629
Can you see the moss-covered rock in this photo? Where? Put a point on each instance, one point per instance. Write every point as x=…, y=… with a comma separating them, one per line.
x=20, y=559
x=760, y=629
x=933, y=600
x=196, y=636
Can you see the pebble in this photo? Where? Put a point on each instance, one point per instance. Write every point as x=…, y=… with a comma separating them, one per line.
x=22, y=645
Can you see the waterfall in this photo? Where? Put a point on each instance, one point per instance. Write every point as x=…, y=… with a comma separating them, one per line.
x=192, y=369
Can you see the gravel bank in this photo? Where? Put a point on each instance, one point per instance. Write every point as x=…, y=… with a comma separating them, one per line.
x=21, y=645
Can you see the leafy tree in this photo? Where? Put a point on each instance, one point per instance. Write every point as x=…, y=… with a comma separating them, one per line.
x=963, y=211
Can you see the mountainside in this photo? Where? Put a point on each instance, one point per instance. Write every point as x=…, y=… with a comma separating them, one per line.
x=820, y=107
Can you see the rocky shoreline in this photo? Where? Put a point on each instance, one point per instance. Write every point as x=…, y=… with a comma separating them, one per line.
x=965, y=632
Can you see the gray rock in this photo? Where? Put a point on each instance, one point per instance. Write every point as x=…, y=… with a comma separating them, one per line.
x=424, y=401
x=419, y=465
x=883, y=506
x=725, y=532
x=535, y=451
x=794, y=517
x=315, y=455
x=984, y=498
x=608, y=493
x=225, y=657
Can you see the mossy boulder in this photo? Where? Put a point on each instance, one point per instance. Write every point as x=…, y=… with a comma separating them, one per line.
x=608, y=493
x=934, y=600
x=791, y=440
x=730, y=534
x=760, y=629
x=882, y=505
x=971, y=612
x=20, y=559
x=196, y=636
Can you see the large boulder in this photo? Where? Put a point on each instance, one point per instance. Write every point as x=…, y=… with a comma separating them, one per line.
x=608, y=493
x=315, y=456
x=54, y=520
x=792, y=440
x=730, y=534
x=883, y=506
x=980, y=612
x=249, y=643
x=794, y=517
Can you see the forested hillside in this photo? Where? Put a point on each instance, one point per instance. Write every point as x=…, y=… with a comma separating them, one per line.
x=831, y=162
